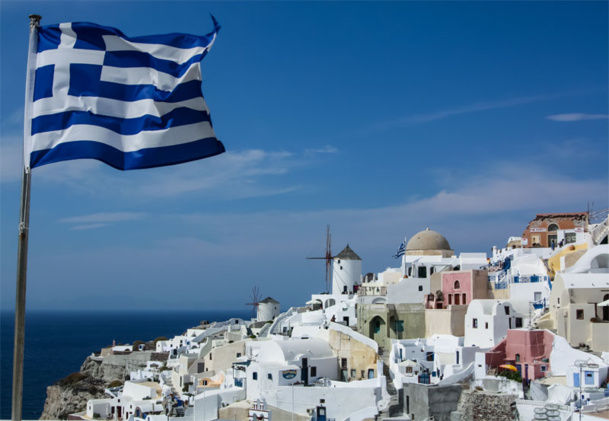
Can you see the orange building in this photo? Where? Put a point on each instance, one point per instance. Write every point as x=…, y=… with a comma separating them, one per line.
x=542, y=231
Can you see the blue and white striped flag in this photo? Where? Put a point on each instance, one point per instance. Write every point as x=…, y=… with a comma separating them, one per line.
x=401, y=250
x=129, y=102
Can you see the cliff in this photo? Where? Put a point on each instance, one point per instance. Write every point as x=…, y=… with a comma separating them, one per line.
x=70, y=394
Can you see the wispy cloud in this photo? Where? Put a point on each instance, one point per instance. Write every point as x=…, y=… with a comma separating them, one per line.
x=11, y=158
x=468, y=109
x=577, y=117
x=327, y=149
x=232, y=175
x=89, y=226
x=100, y=220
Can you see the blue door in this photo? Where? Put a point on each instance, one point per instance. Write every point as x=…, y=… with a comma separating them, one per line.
x=576, y=379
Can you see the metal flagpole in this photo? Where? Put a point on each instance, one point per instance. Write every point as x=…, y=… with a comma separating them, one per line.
x=24, y=223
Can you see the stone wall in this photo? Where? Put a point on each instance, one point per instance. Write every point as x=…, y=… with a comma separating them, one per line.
x=480, y=406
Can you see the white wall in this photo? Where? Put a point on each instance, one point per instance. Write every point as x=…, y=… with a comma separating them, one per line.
x=345, y=273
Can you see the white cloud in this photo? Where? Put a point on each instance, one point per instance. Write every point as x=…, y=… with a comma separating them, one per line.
x=464, y=109
x=234, y=174
x=11, y=158
x=577, y=117
x=101, y=219
x=89, y=226
x=509, y=190
x=327, y=149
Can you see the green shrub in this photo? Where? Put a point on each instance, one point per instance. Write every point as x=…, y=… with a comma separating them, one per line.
x=511, y=375
x=115, y=383
x=72, y=379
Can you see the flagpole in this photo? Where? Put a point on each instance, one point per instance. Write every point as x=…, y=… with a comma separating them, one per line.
x=24, y=225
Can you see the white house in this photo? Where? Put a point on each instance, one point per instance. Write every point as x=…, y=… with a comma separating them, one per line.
x=487, y=321
x=278, y=363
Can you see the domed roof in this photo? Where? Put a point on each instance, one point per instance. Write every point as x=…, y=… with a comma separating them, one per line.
x=427, y=240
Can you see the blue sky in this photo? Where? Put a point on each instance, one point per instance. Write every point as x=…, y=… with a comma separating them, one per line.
x=378, y=118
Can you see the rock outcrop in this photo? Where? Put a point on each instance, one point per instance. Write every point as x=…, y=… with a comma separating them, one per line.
x=70, y=394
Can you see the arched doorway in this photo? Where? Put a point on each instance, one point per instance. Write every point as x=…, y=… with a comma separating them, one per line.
x=378, y=331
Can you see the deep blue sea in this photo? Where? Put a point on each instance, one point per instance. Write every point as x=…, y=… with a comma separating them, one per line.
x=56, y=344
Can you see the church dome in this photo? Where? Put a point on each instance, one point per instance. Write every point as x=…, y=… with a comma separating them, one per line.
x=427, y=240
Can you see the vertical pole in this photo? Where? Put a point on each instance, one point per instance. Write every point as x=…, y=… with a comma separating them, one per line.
x=580, y=392
x=20, y=298
x=24, y=223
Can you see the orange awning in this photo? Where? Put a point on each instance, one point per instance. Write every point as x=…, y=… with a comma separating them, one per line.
x=508, y=366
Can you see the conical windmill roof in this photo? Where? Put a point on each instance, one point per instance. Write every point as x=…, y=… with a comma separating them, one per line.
x=347, y=254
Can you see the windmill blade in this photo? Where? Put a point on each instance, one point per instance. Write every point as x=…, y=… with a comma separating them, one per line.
x=328, y=257
x=255, y=300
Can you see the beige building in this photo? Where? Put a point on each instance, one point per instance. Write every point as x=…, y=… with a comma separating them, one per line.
x=575, y=310
x=383, y=322
x=356, y=358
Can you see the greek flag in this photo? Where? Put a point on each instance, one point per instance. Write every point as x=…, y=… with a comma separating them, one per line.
x=401, y=250
x=129, y=102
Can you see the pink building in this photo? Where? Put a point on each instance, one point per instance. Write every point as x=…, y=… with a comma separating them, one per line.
x=460, y=287
x=528, y=350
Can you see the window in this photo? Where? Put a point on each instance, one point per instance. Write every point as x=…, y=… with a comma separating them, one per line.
x=486, y=325
x=537, y=296
x=371, y=373
x=430, y=356
x=544, y=368
x=457, y=285
x=313, y=371
x=422, y=272
x=464, y=296
x=399, y=325
x=410, y=271
x=238, y=354
x=269, y=376
x=518, y=322
x=409, y=370
x=517, y=358
x=210, y=356
x=343, y=363
x=579, y=314
x=570, y=237
x=420, y=287
x=552, y=227
x=450, y=299
x=254, y=376
x=507, y=310
x=475, y=323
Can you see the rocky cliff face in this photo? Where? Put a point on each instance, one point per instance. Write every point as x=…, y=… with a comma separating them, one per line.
x=70, y=395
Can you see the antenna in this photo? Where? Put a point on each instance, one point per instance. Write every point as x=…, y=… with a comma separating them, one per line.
x=328, y=258
x=255, y=301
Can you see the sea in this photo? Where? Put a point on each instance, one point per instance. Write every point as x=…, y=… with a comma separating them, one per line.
x=57, y=343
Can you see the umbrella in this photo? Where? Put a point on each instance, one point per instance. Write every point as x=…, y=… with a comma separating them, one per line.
x=509, y=367
x=603, y=304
